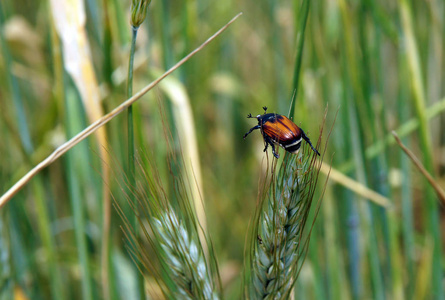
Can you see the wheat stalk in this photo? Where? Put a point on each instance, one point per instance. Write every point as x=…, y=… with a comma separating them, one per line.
x=170, y=249
x=279, y=241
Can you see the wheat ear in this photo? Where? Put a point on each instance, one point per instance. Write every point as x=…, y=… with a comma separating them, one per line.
x=279, y=241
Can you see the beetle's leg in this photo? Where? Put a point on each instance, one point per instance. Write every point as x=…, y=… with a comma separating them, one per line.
x=268, y=141
x=273, y=151
x=251, y=129
x=309, y=141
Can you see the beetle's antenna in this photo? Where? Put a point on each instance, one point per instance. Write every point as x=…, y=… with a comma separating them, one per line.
x=265, y=108
x=250, y=116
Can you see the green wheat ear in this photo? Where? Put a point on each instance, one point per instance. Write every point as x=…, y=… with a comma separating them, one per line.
x=278, y=240
x=185, y=260
x=170, y=251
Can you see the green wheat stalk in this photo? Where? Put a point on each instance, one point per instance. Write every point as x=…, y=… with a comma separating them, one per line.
x=138, y=13
x=169, y=248
x=279, y=240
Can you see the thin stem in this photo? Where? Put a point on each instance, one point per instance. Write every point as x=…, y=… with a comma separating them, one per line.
x=131, y=162
x=106, y=215
x=304, y=13
x=131, y=152
x=418, y=164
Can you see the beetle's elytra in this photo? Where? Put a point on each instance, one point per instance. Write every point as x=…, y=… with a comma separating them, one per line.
x=279, y=130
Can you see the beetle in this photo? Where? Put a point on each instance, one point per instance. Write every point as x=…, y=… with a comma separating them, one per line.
x=279, y=130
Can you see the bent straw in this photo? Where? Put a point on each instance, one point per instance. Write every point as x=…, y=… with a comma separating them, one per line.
x=355, y=186
x=102, y=121
x=439, y=191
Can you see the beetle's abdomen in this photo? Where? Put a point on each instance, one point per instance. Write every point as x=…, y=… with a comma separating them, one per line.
x=283, y=132
x=292, y=146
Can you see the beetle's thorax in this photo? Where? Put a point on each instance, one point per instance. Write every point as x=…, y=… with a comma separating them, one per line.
x=267, y=118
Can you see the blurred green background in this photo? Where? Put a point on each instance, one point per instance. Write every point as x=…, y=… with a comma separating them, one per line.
x=379, y=63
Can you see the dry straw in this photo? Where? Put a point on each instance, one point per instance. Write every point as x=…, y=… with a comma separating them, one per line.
x=439, y=191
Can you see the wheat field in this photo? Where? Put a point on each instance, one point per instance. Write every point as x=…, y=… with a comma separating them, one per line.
x=165, y=199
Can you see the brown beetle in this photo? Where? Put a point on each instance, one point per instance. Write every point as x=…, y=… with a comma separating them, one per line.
x=279, y=130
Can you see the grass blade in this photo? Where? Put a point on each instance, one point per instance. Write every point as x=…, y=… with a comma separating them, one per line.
x=302, y=18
